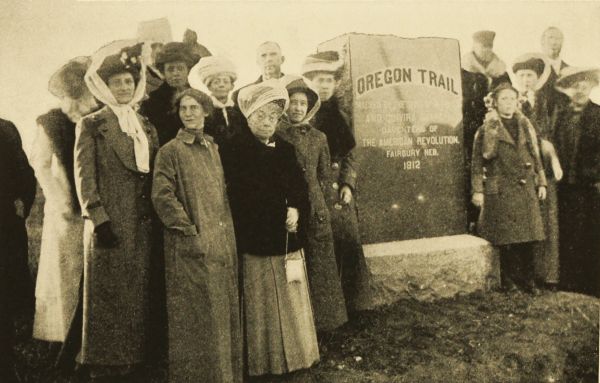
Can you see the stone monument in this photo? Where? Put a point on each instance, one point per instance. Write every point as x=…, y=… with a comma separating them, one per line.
x=404, y=100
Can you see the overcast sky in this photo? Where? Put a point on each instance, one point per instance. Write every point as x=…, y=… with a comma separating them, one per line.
x=38, y=36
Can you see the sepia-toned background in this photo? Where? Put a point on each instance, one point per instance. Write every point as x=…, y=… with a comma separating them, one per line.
x=38, y=36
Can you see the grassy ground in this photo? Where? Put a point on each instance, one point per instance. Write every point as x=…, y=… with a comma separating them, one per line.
x=480, y=338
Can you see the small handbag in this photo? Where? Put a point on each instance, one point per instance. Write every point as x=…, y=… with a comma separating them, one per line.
x=294, y=264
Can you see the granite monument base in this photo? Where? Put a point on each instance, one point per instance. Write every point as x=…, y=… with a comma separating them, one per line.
x=431, y=268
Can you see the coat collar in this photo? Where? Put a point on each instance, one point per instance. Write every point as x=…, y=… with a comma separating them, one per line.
x=190, y=137
x=505, y=136
x=495, y=68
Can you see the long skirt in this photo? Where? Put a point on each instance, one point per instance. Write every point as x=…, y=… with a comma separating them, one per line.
x=280, y=329
x=59, y=274
x=579, y=217
x=546, y=256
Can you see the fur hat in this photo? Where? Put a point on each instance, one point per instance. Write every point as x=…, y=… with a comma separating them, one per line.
x=208, y=67
x=176, y=51
x=68, y=80
x=570, y=75
x=486, y=38
x=254, y=96
x=129, y=60
x=326, y=61
x=535, y=64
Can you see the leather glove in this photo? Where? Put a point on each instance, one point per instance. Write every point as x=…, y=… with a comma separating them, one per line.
x=105, y=236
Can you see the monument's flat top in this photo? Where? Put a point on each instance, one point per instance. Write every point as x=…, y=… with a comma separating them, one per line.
x=424, y=245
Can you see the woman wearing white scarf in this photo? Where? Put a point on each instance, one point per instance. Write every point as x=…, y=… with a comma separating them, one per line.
x=216, y=76
x=114, y=149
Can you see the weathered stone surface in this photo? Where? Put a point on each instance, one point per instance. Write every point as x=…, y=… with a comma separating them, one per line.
x=403, y=97
x=431, y=268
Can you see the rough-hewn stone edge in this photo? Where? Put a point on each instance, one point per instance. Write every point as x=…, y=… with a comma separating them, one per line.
x=430, y=268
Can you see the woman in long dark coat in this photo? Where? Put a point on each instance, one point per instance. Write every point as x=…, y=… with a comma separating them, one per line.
x=508, y=180
x=324, y=69
x=114, y=152
x=312, y=154
x=205, y=341
x=267, y=193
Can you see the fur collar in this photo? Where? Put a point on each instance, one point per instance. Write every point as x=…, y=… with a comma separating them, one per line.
x=495, y=68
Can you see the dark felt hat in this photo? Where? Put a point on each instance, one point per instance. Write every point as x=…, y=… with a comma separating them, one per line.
x=503, y=86
x=68, y=80
x=127, y=60
x=486, y=38
x=176, y=51
x=535, y=64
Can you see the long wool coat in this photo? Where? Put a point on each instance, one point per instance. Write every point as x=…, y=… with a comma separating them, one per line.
x=61, y=254
x=508, y=177
x=205, y=342
x=546, y=255
x=355, y=275
x=115, y=283
x=312, y=154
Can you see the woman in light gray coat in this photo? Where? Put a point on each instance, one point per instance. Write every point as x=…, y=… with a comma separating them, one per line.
x=114, y=149
x=205, y=340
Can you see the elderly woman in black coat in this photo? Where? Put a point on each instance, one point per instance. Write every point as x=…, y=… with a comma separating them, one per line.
x=508, y=181
x=267, y=194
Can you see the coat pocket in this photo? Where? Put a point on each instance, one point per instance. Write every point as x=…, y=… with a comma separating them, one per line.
x=191, y=246
x=490, y=185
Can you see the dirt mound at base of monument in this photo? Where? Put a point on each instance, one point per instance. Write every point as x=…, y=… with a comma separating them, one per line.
x=491, y=338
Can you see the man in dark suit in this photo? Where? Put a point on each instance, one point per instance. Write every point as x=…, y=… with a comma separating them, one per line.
x=17, y=191
x=269, y=59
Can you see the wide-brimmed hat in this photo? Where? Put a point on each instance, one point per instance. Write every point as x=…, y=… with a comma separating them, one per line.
x=176, y=51
x=571, y=75
x=322, y=62
x=129, y=59
x=68, y=80
x=208, y=67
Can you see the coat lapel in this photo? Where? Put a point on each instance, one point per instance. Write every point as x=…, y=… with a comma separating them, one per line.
x=119, y=141
x=504, y=135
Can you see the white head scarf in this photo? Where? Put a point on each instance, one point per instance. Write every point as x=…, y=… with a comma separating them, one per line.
x=254, y=96
x=128, y=120
x=203, y=72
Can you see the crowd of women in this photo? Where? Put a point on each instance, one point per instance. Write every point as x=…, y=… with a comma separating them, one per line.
x=535, y=175
x=219, y=228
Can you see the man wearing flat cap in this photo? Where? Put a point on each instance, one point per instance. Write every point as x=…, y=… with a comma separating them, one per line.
x=174, y=62
x=481, y=72
x=577, y=135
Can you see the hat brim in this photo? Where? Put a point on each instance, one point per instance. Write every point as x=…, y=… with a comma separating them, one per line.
x=590, y=74
x=73, y=69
